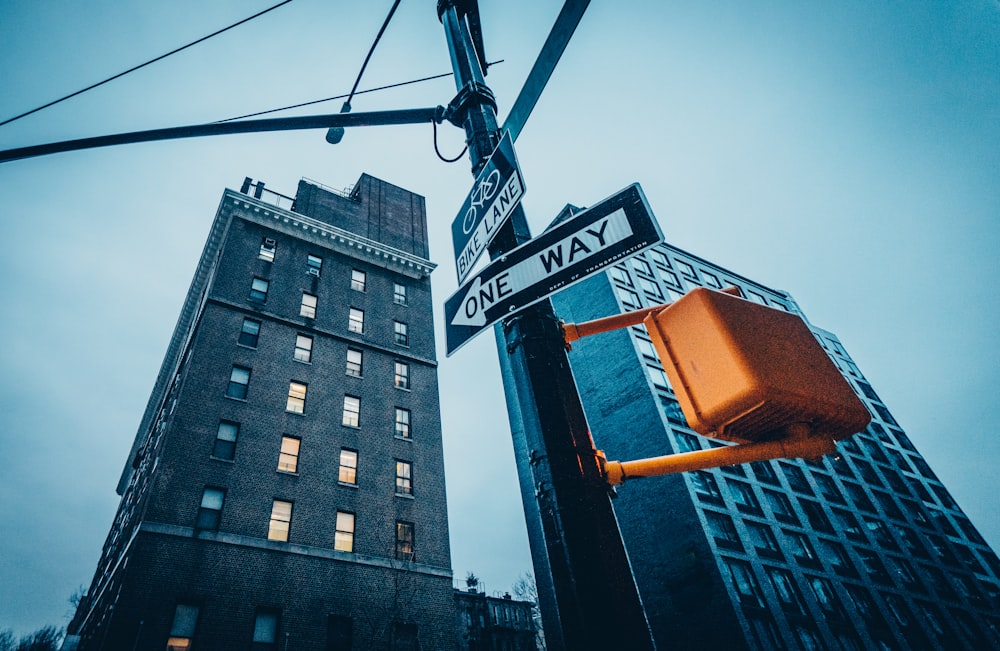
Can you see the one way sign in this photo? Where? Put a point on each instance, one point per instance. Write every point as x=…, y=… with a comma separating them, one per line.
x=615, y=228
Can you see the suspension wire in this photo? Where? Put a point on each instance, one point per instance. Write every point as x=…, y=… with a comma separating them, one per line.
x=360, y=92
x=371, y=50
x=143, y=65
x=438, y=151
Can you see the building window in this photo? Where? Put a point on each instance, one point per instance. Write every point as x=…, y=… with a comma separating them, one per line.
x=265, y=630
x=358, y=280
x=313, y=264
x=711, y=279
x=281, y=520
x=249, y=333
x=399, y=294
x=686, y=270
x=659, y=258
x=641, y=266
x=210, y=511
x=288, y=458
x=743, y=579
x=354, y=359
x=723, y=531
x=402, y=375
x=343, y=539
x=402, y=423
x=352, y=411
x=404, y=540
x=781, y=507
x=267, y=248
x=743, y=495
x=339, y=633
x=705, y=486
x=785, y=589
x=296, y=398
x=620, y=275
x=348, y=473
x=183, y=627
x=225, y=441
x=308, y=307
x=239, y=380
x=763, y=540
x=652, y=289
x=258, y=290
x=303, y=348
x=801, y=548
x=404, y=478
x=400, y=332
x=356, y=321
x=816, y=516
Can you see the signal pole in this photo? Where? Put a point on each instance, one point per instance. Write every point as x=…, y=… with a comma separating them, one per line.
x=586, y=591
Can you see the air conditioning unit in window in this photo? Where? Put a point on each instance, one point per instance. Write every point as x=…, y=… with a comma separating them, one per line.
x=313, y=271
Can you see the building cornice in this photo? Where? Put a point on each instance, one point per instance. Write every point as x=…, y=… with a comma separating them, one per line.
x=327, y=235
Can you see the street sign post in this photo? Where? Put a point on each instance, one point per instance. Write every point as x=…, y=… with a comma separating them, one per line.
x=573, y=250
x=498, y=189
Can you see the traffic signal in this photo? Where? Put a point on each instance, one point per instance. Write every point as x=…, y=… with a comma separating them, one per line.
x=744, y=372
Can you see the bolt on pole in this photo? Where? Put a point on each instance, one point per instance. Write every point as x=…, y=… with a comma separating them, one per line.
x=586, y=590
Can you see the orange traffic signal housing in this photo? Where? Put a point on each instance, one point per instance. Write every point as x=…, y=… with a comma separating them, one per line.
x=744, y=372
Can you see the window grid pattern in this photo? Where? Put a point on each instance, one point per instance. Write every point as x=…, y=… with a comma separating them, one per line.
x=867, y=514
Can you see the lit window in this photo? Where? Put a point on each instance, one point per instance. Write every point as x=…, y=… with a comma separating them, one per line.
x=352, y=411
x=303, y=348
x=358, y=280
x=404, y=540
x=281, y=520
x=356, y=321
x=354, y=359
x=402, y=423
x=210, y=511
x=402, y=375
x=348, y=467
x=258, y=290
x=183, y=627
x=400, y=331
x=404, y=478
x=296, y=398
x=308, y=307
x=249, y=333
x=343, y=539
x=288, y=458
x=313, y=264
x=239, y=381
x=399, y=294
x=267, y=247
x=265, y=630
x=225, y=441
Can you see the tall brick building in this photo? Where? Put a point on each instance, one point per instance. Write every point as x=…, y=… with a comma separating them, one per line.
x=285, y=489
x=863, y=550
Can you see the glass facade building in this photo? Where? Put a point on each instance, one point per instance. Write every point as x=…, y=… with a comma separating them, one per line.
x=865, y=549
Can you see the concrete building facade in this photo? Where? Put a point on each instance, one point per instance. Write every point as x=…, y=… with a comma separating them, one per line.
x=862, y=550
x=286, y=485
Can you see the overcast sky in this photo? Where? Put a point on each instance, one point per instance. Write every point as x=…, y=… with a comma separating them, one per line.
x=847, y=152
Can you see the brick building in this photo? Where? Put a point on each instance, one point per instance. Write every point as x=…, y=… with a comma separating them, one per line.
x=285, y=489
x=485, y=623
x=862, y=550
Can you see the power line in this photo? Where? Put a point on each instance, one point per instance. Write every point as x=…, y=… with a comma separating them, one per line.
x=360, y=92
x=143, y=65
x=371, y=50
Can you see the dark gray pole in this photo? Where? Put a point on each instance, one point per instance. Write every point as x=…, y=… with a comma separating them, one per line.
x=586, y=591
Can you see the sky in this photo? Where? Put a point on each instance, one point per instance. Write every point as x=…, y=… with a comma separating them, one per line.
x=846, y=152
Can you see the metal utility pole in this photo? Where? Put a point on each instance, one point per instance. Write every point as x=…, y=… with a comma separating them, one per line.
x=586, y=590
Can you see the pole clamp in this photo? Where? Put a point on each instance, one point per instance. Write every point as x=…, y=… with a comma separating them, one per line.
x=473, y=93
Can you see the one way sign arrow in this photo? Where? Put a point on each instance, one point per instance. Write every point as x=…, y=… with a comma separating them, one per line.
x=609, y=231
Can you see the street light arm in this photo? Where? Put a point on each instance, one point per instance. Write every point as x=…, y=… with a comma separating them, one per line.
x=373, y=118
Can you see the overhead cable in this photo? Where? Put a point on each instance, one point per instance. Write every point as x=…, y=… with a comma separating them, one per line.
x=143, y=65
